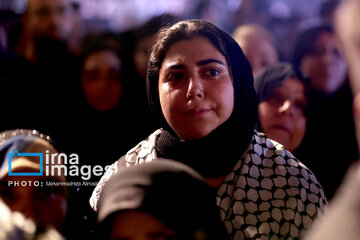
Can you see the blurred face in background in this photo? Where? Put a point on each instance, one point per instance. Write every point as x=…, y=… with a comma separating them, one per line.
x=195, y=88
x=49, y=18
x=282, y=115
x=260, y=53
x=324, y=65
x=101, y=80
x=142, y=54
x=46, y=205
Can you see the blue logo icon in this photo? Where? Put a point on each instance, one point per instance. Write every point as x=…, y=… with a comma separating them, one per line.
x=15, y=153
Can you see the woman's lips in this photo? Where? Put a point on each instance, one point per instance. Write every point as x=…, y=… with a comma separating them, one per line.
x=282, y=127
x=198, y=112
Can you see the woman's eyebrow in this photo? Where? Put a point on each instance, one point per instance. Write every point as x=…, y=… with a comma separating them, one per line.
x=174, y=66
x=199, y=63
x=207, y=61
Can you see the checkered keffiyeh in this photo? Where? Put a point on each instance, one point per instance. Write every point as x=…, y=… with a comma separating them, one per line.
x=268, y=195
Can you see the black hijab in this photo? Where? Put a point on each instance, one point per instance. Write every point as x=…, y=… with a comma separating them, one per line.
x=216, y=154
x=168, y=190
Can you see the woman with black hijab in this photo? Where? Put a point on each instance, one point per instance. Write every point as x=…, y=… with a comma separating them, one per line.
x=330, y=140
x=163, y=199
x=282, y=96
x=201, y=87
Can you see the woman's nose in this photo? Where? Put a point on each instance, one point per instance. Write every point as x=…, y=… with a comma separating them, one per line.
x=195, y=88
x=285, y=107
x=102, y=82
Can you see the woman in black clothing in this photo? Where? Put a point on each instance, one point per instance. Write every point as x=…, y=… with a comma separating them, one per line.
x=200, y=85
x=329, y=141
x=282, y=104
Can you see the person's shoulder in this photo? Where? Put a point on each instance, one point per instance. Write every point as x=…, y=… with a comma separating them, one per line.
x=266, y=148
x=270, y=181
x=274, y=160
x=144, y=151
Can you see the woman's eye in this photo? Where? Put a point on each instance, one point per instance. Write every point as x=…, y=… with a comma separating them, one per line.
x=91, y=75
x=301, y=105
x=175, y=77
x=114, y=77
x=277, y=99
x=213, y=72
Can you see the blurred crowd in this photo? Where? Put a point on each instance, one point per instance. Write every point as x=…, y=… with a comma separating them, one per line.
x=87, y=91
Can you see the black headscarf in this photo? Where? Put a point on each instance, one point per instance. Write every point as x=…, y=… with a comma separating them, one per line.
x=216, y=154
x=168, y=190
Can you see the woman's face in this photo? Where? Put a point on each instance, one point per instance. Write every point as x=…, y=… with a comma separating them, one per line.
x=101, y=81
x=282, y=115
x=260, y=53
x=324, y=65
x=142, y=54
x=195, y=88
x=139, y=225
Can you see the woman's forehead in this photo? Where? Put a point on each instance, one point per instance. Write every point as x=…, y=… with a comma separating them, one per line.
x=196, y=50
x=292, y=85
